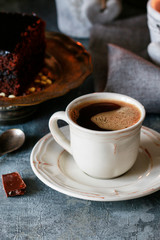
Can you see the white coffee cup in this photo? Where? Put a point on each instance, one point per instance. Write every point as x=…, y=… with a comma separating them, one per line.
x=153, y=17
x=100, y=154
x=76, y=17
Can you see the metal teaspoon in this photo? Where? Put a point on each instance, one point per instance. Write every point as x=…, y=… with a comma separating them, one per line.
x=11, y=140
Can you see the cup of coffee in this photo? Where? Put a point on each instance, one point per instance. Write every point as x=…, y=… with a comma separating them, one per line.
x=104, y=132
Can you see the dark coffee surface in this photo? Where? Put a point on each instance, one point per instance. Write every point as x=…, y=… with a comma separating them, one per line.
x=105, y=115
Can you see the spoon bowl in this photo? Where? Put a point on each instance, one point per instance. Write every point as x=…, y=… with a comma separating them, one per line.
x=11, y=140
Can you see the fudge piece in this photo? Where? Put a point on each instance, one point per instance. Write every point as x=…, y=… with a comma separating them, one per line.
x=13, y=184
x=22, y=50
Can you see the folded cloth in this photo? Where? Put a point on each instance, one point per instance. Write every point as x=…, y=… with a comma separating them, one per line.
x=134, y=76
x=122, y=66
x=131, y=33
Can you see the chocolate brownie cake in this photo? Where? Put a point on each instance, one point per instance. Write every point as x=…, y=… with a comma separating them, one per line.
x=22, y=49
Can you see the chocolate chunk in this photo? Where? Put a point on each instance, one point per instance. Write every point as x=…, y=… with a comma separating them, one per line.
x=13, y=184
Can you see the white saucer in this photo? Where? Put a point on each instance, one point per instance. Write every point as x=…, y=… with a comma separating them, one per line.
x=57, y=169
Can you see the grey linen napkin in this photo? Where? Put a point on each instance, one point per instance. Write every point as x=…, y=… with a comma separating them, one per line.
x=119, y=56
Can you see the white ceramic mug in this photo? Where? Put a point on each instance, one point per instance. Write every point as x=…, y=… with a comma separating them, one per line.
x=100, y=154
x=153, y=17
x=76, y=17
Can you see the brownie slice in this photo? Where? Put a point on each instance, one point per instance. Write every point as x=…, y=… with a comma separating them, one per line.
x=13, y=184
x=22, y=49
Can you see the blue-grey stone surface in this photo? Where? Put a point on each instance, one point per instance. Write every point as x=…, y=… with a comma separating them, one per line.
x=45, y=214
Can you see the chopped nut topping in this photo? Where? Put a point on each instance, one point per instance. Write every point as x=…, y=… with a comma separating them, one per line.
x=43, y=82
x=2, y=94
x=11, y=96
x=37, y=81
x=32, y=89
x=43, y=77
x=49, y=81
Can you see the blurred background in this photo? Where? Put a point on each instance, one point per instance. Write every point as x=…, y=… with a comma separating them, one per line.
x=46, y=9
x=43, y=8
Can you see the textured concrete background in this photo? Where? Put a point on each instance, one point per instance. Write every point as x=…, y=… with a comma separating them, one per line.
x=49, y=215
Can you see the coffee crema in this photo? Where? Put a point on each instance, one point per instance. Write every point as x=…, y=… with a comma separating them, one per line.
x=105, y=115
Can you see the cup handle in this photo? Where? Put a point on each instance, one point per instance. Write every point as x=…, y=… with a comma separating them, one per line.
x=56, y=133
